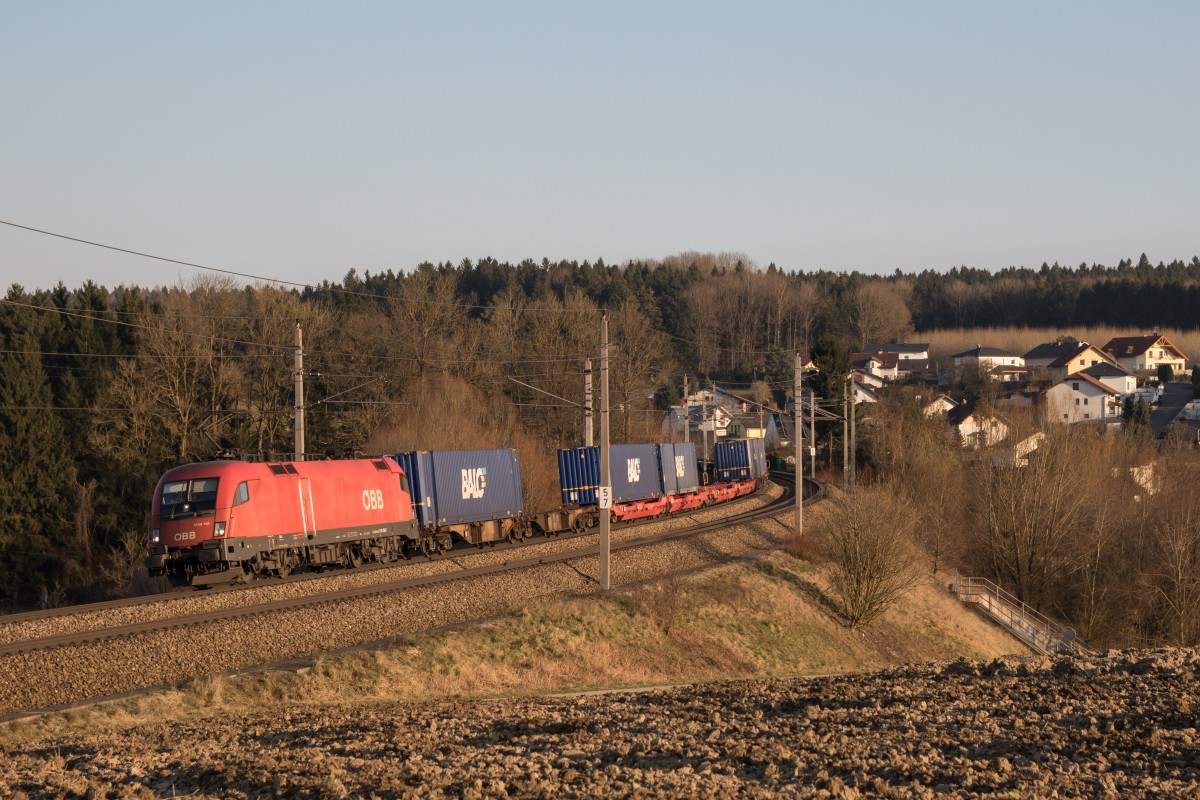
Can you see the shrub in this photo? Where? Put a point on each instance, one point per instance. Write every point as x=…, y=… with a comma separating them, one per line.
x=869, y=547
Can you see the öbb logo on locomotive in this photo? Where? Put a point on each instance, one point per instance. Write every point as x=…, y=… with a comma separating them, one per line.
x=474, y=481
x=215, y=522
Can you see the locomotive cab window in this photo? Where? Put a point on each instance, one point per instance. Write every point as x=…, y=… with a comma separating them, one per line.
x=242, y=495
x=404, y=483
x=189, y=498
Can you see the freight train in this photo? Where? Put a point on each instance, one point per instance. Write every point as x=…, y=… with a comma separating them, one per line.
x=223, y=521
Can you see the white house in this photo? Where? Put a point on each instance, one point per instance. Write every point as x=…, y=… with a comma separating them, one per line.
x=868, y=379
x=904, y=352
x=1113, y=376
x=939, y=405
x=883, y=365
x=975, y=430
x=986, y=358
x=1082, y=398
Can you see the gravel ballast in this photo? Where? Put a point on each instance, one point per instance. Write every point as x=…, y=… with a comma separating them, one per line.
x=51, y=677
x=1122, y=725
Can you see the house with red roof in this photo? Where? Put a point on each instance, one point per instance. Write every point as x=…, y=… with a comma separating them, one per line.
x=1079, y=357
x=1146, y=353
x=1082, y=398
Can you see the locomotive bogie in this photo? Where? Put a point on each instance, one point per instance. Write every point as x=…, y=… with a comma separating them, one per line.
x=222, y=520
x=218, y=522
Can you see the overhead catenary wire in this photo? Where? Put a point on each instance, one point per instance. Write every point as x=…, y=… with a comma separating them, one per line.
x=518, y=307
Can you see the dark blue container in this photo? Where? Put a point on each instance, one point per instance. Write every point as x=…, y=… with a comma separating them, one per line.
x=678, y=465
x=740, y=460
x=579, y=475
x=451, y=487
x=633, y=468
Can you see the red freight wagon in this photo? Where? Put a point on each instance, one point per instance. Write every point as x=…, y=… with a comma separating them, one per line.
x=217, y=521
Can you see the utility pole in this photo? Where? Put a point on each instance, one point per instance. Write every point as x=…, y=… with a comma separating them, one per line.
x=687, y=419
x=299, y=429
x=587, y=403
x=853, y=439
x=845, y=446
x=812, y=433
x=605, y=467
x=798, y=427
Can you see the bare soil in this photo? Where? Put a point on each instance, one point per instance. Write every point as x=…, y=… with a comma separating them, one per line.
x=1122, y=725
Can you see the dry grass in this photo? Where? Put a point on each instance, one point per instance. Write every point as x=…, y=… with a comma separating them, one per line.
x=770, y=616
x=945, y=343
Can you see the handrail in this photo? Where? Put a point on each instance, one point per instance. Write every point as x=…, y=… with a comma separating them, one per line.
x=1025, y=622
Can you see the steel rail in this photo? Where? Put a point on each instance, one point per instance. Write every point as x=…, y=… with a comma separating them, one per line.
x=779, y=505
x=188, y=593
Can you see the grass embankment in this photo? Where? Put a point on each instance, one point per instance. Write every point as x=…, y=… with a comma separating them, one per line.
x=761, y=617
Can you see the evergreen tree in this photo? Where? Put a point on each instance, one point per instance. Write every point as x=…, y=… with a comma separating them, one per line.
x=37, y=478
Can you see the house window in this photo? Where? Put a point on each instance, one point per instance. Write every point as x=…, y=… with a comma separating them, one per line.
x=1087, y=416
x=1094, y=362
x=1076, y=401
x=1075, y=386
x=1085, y=401
x=1065, y=416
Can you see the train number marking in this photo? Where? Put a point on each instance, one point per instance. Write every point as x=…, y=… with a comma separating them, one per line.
x=372, y=499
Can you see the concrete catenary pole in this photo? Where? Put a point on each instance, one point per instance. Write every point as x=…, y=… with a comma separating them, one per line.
x=845, y=446
x=798, y=430
x=687, y=420
x=853, y=439
x=587, y=403
x=605, y=467
x=299, y=431
x=812, y=433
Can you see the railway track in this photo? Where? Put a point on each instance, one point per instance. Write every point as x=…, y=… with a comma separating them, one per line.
x=108, y=644
x=103, y=633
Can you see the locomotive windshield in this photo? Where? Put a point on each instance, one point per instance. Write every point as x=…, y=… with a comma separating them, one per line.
x=194, y=498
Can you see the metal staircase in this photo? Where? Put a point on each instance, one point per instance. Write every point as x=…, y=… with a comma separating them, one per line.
x=1035, y=629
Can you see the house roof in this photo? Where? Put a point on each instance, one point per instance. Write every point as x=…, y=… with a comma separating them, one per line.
x=958, y=415
x=892, y=347
x=860, y=359
x=1065, y=359
x=984, y=352
x=1106, y=370
x=1050, y=350
x=916, y=365
x=1126, y=346
x=1089, y=379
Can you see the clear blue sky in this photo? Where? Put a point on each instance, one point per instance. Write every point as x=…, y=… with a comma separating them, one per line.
x=297, y=140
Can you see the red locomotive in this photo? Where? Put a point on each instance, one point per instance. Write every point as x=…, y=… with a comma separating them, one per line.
x=220, y=520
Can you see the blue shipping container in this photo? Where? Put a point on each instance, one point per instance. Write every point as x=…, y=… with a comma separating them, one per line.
x=740, y=460
x=635, y=472
x=451, y=487
x=633, y=469
x=678, y=465
x=579, y=475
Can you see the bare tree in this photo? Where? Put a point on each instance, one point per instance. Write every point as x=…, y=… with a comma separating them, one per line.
x=869, y=548
x=879, y=313
x=1027, y=517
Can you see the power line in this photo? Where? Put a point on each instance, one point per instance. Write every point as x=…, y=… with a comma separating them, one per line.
x=349, y=292
x=266, y=279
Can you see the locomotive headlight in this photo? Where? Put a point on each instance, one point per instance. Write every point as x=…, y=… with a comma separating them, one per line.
x=154, y=536
x=218, y=529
